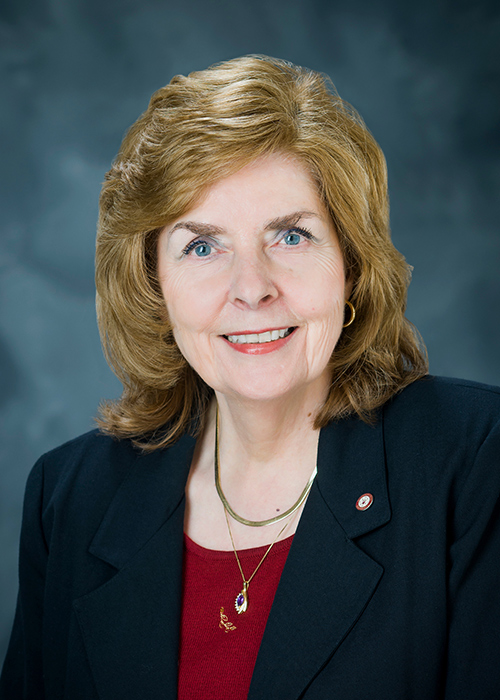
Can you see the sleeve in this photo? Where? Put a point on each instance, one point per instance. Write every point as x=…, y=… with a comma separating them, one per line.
x=473, y=670
x=22, y=673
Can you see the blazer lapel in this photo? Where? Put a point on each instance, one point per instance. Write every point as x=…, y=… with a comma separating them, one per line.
x=327, y=581
x=130, y=625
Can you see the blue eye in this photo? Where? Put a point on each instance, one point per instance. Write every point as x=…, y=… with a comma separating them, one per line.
x=202, y=249
x=292, y=238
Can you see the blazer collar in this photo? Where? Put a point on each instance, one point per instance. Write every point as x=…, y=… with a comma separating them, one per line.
x=146, y=499
x=131, y=624
x=351, y=463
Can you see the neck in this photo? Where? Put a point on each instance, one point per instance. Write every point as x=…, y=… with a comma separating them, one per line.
x=267, y=454
x=258, y=433
x=254, y=435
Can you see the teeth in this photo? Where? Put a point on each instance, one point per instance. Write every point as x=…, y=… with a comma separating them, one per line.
x=266, y=337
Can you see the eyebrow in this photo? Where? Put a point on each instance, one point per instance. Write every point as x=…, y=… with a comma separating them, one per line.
x=198, y=228
x=289, y=220
x=280, y=222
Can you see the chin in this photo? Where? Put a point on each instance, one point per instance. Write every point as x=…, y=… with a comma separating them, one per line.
x=264, y=393
x=267, y=387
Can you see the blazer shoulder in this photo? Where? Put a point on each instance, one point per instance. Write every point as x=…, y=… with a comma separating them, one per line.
x=86, y=472
x=94, y=453
x=447, y=400
x=87, y=443
x=465, y=387
x=82, y=474
x=443, y=426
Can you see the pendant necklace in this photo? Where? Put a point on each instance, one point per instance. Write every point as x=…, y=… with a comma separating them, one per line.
x=241, y=602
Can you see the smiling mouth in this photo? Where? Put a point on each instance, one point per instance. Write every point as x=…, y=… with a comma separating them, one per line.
x=254, y=338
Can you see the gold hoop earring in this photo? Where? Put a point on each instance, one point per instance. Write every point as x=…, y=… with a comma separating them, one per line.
x=353, y=314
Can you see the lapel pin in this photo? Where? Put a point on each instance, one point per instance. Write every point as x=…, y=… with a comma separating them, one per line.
x=364, y=501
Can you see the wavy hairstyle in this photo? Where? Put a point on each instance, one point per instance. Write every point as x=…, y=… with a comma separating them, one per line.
x=197, y=130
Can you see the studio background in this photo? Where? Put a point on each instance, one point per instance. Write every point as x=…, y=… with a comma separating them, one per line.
x=76, y=73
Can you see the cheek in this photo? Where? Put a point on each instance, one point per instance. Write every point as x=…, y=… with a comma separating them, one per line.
x=326, y=304
x=190, y=341
x=179, y=298
x=321, y=294
x=192, y=307
x=326, y=326
x=324, y=333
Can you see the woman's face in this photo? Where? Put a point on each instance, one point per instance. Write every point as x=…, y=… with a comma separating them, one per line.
x=254, y=283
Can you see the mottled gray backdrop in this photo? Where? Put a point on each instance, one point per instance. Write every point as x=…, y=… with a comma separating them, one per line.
x=76, y=73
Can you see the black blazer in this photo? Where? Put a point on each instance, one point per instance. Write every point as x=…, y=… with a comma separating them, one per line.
x=397, y=602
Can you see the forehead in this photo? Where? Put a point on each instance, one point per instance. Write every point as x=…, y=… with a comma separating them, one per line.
x=269, y=187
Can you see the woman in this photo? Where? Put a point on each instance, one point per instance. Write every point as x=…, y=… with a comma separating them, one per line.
x=276, y=409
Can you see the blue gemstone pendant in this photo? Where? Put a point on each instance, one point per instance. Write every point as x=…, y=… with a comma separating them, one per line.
x=241, y=602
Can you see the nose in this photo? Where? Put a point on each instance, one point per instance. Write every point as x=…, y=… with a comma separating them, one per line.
x=252, y=285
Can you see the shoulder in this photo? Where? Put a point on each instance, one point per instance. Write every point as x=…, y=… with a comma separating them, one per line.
x=80, y=477
x=447, y=404
x=445, y=434
x=91, y=460
x=83, y=476
x=93, y=443
x=433, y=388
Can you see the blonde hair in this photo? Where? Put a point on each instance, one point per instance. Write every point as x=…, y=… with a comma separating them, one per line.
x=197, y=130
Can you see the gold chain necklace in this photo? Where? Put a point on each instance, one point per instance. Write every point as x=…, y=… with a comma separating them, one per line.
x=241, y=602
x=227, y=507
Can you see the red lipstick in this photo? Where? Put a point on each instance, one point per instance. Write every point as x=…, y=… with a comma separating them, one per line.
x=259, y=348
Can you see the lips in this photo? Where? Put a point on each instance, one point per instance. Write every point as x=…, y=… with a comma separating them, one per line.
x=259, y=338
x=261, y=343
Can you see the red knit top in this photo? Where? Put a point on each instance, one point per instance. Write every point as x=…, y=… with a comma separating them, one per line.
x=218, y=646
